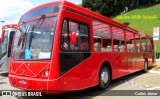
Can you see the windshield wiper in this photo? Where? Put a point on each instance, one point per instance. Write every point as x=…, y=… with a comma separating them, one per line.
x=39, y=22
x=24, y=35
x=22, y=32
x=41, y=18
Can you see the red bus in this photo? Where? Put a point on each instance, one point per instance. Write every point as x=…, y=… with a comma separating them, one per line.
x=5, y=46
x=61, y=47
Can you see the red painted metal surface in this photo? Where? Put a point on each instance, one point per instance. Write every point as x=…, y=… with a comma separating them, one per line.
x=85, y=74
x=6, y=27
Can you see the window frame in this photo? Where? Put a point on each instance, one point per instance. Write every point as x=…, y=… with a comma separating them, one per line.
x=68, y=31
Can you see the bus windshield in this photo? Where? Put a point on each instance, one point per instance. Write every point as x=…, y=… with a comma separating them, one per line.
x=33, y=39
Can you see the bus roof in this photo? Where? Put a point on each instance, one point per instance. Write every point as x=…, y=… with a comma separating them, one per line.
x=86, y=12
x=9, y=26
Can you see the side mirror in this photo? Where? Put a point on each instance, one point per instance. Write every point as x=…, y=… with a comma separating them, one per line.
x=73, y=38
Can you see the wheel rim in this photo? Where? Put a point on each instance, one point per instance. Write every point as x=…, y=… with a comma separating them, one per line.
x=104, y=76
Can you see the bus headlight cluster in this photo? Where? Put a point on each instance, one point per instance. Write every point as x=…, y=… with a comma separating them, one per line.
x=44, y=73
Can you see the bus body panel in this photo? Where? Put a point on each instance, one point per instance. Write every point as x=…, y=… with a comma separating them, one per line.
x=121, y=65
x=85, y=66
x=32, y=73
x=29, y=69
x=26, y=83
x=81, y=79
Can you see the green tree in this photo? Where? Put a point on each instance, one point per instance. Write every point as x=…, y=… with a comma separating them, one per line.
x=111, y=8
x=105, y=7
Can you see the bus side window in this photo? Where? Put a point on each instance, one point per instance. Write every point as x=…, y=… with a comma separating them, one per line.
x=149, y=46
x=118, y=39
x=82, y=36
x=65, y=36
x=130, y=42
x=144, y=47
x=102, y=36
x=73, y=27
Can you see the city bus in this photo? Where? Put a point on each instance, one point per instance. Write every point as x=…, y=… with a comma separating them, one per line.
x=61, y=47
x=5, y=46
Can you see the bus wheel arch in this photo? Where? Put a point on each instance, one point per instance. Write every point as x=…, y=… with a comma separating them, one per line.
x=145, y=65
x=105, y=75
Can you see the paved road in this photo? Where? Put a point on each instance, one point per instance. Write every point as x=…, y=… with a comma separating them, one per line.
x=138, y=81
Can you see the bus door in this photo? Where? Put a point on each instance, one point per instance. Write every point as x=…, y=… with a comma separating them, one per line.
x=75, y=51
x=10, y=36
x=5, y=50
x=3, y=53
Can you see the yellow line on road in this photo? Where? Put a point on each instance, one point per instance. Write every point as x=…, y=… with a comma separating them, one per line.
x=95, y=97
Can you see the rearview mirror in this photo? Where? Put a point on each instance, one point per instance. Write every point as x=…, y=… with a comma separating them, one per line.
x=73, y=38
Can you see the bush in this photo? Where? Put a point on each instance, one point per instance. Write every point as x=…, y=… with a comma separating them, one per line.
x=157, y=1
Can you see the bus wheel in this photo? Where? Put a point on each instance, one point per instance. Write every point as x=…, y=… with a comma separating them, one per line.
x=104, y=77
x=145, y=66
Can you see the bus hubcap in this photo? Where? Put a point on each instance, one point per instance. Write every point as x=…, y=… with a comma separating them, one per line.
x=104, y=76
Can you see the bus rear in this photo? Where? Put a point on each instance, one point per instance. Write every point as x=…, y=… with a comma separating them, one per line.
x=5, y=46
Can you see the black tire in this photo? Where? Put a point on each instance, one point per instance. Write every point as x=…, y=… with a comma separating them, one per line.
x=145, y=66
x=104, y=77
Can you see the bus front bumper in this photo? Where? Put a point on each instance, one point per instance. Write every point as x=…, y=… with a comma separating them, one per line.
x=35, y=84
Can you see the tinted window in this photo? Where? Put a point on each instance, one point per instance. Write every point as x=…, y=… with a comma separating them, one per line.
x=81, y=31
x=40, y=12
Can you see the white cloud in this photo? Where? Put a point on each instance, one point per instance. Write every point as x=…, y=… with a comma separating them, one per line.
x=11, y=10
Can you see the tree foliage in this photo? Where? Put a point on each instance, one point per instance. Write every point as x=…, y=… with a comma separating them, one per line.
x=114, y=7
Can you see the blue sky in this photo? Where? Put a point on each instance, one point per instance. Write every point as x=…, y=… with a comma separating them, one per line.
x=11, y=10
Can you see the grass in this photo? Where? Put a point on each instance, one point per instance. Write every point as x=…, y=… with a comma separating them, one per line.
x=142, y=19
